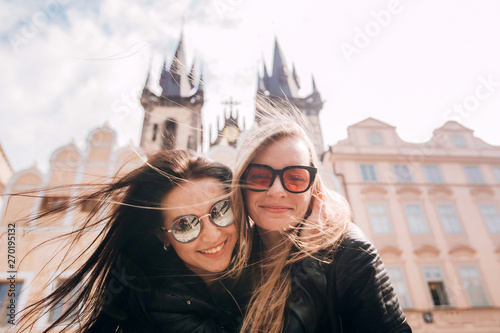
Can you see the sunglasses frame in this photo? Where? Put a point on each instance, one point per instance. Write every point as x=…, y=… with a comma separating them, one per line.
x=312, y=175
x=199, y=220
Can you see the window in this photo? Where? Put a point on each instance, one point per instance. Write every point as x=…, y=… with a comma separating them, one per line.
x=433, y=174
x=376, y=138
x=155, y=131
x=399, y=283
x=169, y=134
x=402, y=172
x=473, y=285
x=89, y=204
x=496, y=171
x=492, y=217
x=449, y=219
x=473, y=174
x=435, y=282
x=379, y=219
x=458, y=141
x=368, y=172
x=62, y=306
x=8, y=292
x=416, y=219
x=49, y=203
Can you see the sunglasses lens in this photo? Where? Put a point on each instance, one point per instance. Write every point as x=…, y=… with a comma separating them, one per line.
x=258, y=178
x=296, y=179
x=186, y=229
x=222, y=214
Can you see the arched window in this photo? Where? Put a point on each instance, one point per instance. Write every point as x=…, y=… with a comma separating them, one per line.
x=169, y=134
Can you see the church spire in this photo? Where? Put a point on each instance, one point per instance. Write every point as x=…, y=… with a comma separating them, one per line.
x=315, y=90
x=192, y=81
x=280, y=83
x=175, y=81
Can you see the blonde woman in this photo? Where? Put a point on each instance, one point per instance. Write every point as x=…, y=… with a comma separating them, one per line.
x=312, y=272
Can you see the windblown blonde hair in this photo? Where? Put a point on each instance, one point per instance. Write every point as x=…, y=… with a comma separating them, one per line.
x=272, y=269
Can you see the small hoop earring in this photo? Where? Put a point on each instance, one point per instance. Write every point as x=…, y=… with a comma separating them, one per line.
x=165, y=246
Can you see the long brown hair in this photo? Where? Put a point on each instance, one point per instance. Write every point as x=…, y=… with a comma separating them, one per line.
x=128, y=219
x=272, y=269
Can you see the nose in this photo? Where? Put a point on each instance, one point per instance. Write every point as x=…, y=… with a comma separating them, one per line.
x=277, y=189
x=209, y=231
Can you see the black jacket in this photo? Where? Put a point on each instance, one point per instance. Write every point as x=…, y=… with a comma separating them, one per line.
x=351, y=294
x=173, y=300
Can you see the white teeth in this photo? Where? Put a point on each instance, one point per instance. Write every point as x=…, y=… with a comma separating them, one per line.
x=215, y=249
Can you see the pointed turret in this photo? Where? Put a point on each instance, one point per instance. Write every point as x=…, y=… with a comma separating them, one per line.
x=295, y=76
x=283, y=85
x=175, y=81
x=230, y=130
x=173, y=119
x=280, y=83
x=145, y=90
x=315, y=90
x=191, y=78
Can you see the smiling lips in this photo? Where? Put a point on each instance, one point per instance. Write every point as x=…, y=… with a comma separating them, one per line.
x=217, y=250
x=275, y=209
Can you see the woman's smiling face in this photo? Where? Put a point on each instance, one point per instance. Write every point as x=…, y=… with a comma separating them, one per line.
x=211, y=251
x=277, y=209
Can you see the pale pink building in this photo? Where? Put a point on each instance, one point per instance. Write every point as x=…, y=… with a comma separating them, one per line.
x=433, y=211
x=96, y=163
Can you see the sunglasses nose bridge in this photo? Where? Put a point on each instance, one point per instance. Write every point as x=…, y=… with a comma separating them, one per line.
x=273, y=186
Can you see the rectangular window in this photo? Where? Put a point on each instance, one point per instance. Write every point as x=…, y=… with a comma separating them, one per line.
x=398, y=281
x=61, y=307
x=49, y=203
x=89, y=205
x=376, y=138
x=491, y=216
x=8, y=292
x=473, y=174
x=449, y=219
x=379, y=219
x=368, y=172
x=155, y=131
x=435, y=282
x=402, y=172
x=433, y=174
x=473, y=285
x=496, y=171
x=458, y=141
x=416, y=219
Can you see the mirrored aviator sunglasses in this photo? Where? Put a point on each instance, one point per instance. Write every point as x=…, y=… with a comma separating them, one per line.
x=186, y=229
x=294, y=178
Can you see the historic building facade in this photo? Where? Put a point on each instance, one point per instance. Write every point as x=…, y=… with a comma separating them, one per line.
x=433, y=211
x=96, y=164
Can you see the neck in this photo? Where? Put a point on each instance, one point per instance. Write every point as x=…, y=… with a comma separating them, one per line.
x=270, y=238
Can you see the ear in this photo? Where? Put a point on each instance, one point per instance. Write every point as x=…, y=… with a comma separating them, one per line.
x=162, y=236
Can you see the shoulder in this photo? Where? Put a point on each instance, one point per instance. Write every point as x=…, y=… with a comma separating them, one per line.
x=355, y=246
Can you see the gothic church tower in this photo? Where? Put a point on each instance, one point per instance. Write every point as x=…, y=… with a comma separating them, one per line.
x=282, y=84
x=173, y=119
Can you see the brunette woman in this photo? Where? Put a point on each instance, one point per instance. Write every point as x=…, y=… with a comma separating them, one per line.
x=166, y=237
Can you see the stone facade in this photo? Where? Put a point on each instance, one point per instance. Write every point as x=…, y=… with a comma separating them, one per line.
x=100, y=160
x=433, y=211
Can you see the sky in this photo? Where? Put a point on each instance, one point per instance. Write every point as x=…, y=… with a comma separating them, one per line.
x=67, y=66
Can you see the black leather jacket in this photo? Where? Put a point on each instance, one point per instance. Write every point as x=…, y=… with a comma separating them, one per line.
x=351, y=294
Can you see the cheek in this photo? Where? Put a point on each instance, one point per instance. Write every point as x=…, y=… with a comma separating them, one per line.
x=182, y=250
x=304, y=203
